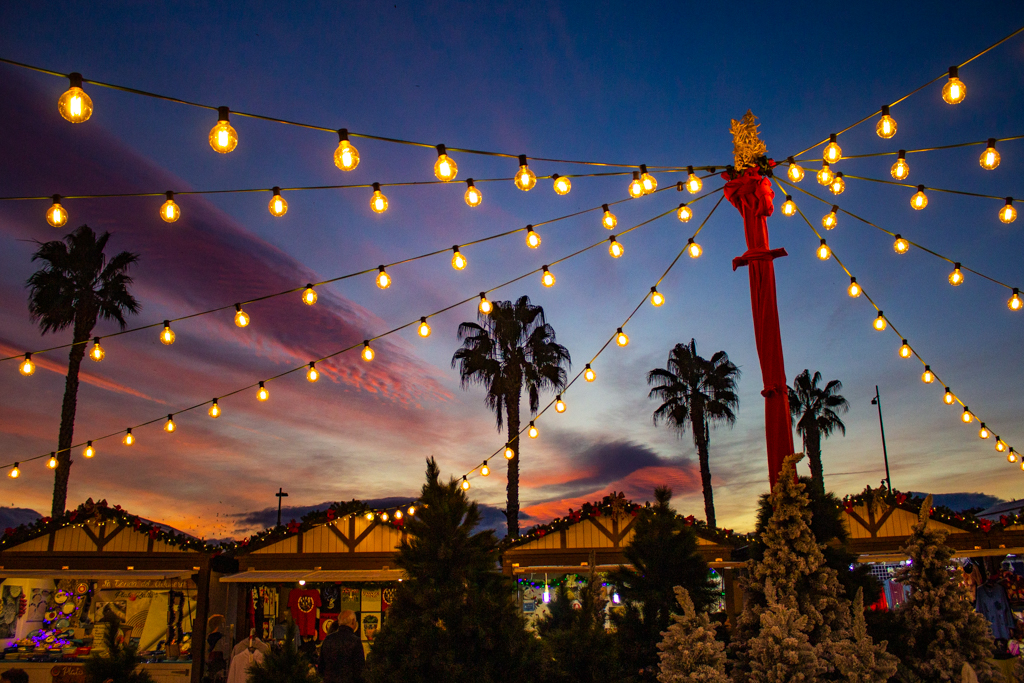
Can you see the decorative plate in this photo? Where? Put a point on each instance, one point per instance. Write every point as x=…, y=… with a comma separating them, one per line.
x=51, y=615
x=82, y=588
x=61, y=597
x=68, y=608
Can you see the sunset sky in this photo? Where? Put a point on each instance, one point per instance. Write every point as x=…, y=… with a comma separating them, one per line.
x=653, y=83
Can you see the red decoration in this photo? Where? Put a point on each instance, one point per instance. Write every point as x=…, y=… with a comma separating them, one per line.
x=9, y=531
x=689, y=519
x=330, y=514
x=293, y=527
x=153, y=532
x=44, y=520
x=985, y=524
x=901, y=498
x=848, y=505
x=541, y=532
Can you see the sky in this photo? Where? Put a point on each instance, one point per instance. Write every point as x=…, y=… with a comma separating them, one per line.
x=655, y=83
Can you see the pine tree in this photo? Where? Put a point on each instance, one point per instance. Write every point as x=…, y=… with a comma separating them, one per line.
x=119, y=663
x=455, y=618
x=940, y=628
x=283, y=665
x=781, y=652
x=689, y=651
x=663, y=555
x=578, y=648
x=859, y=659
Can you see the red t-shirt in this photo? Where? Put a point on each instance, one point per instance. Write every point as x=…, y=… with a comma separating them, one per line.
x=304, y=604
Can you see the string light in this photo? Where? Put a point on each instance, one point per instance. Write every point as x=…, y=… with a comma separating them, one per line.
x=956, y=278
x=989, y=159
x=223, y=138
x=983, y=432
x=169, y=211
x=485, y=306
x=948, y=398
x=919, y=200
x=458, y=260
x=532, y=238
x=278, y=206
x=830, y=219
x=614, y=248
x=312, y=374
x=905, y=350
x=966, y=417
x=214, y=410
x=927, y=376
x=15, y=472
x=589, y=374
x=346, y=157
x=52, y=462
x=693, y=183
x=445, y=168
x=533, y=432
x=880, y=322
x=465, y=483
x=608, y=218
x=412, y=510
x=1008, y=213
x=900, y=246
x=262, y=393
x=825, y=174
x=384, y=516
x=559, y=404
x=636, y=188
x=621, y=338
x=367, y=352
x=27, y=367
x=561, y=184
x=693, y=249
x=854, y=289
x=129, y=438
x=472, y=196
x=169, y=426
x=424, y=329
x=647, y=180
x=56, y=215
x=886, y=126
x=383, y=279
x=657, y=298
x=509, y=453
x=89, y=450
x=309, y=295
x=954, y=91
x=241, y=317
x=795, y=172
x=75, y=105
x=838, y=185
x=833, y=152
x=788, y=207
x=547, y=279
x=824, y=253
x=398, y=512
x=900, y=170
x=1000, y=445
x=167, y=334
x=484, y=471
x=378, y=202
x=97, y=353
x=1015, y=303
x=368, y=516
x=525, y=178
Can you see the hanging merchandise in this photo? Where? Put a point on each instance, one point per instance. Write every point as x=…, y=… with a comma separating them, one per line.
x=304, y=605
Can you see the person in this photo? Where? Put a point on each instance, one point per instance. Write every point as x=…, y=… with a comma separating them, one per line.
x=218, y=649
x=14, y=676
x=341, y=654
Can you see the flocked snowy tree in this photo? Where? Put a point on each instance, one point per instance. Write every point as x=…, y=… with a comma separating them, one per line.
x=781, y=652
x=859, y=660
x=689, y=651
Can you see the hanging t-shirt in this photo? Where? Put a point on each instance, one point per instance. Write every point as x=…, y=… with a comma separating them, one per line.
x=304, y=604
x=330, y=598
x=240, y=663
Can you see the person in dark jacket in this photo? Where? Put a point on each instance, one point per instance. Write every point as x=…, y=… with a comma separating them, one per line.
x=341, y=653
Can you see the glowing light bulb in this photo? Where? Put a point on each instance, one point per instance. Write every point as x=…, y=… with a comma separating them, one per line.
x=89, y=450
x=485, y=306
x=547, y=279
x=1000, y=445
x=383, y=279
x=830, y=219
x=445, y=168
x=169, y=211
x=886, y=126
x=167, y=334
x=75, y=105
x=223, y=138
x=795, y=172
x=954, y=91
x=525, y=178
x=484, y=471
x=615, y=248
x=56, y=215
x=458, y=260
x=509, y=453
x=262, y=393
x=52, y=462
x=956, y=278
x=636, y=188
x=905, y=350
x=648, y=181
x=472, y=196
x=398, y=513
x=312, y=374
x=309, y=295
x=15, y=472
x=900, y=246
x=278, y=206
x=367, y=353
x=948, y=398
x=833, y=152
x=854, y=289
x=989, y=159
x=533, y=432
x=346, y=157
x=684, y=213
x=693, y=249
x=621, y=338
x=927, y=376
x=241, y=317
x=532, y=238
x=1008, y=213
x=1014, y=303
x=169, y=426
x=880, y=322
x=411, y=511
x=789, y=206
x=589, y=374
x=919, y=200
x=214, y=410
x=657, y=298
x=693, y=183
x=838, y=185
x=129, y=438
x=900, y=170
x=465, y=483
x=559, y=404
x=561, y=184
x=608, y=218
x=824, y=253
x=96, y=352
x=825, y=175
x=424, y=328
x=983, y=432
x=966, y=417
x=378, y=202
x=369, y=516
x=27, y=367
x=384, y=516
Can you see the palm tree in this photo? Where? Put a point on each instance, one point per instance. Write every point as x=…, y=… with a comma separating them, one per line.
x=817, y=411
x=511, y=348
x=76, y=286
x=696, y=394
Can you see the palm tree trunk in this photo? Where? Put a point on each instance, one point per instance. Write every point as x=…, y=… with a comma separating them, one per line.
x=812, y=447
x=701, y=437
x=512, y=505
x=67, y=416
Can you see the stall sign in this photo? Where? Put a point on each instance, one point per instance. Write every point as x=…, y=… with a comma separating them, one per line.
x=68, y=673
x=118, y=584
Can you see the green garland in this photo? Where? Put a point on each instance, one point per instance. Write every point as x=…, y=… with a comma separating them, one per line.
x=941, y=513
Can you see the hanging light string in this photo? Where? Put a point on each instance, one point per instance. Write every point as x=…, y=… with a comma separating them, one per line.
x=647, y=296
x=928, y=368
x=362, y=344
x=944, y=74
x=374, y=269
x=273, y=119
x=926, y=187
x=895, y=235
x=923, y=149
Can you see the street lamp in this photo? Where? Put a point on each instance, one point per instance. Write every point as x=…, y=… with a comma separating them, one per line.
x=877, y=401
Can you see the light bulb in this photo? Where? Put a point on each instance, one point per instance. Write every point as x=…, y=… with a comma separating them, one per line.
x=369, y=516
x=589, y=374
x=532, y=238
x=1008, y=213
x=398, y=513
x=880, y=322
x=795, y=173
x=472, y=196
x=559, y=404
x=789, y=206
x=983, y=432
x=484, y=471
x=458, y=260
x=309, y=295
x=838, y=185
x=657, y=298
x=1000, y=445
x=608, y=218
x=445, y=168
x=167, y=334
x=693, y=183
x=378, y=202
x=56, y=215
x=900, y=246
x=424, y=328
x=954, y=91
x=684, y=213
x=465, y=483
x=547, y=279
x=509, y=453
x=27, y=367
x=89, y=450
x=647, y=180
x=75, y=105
x=129, y=438
x=1014, y=303
x=346, y=157
x=52, y=462
x=384, y=516
x=169, y=211
x=636, y=188
x=825, y=175
x=383, y=279
x=621, y=338
x=886, y=126
x=824, y=253
x=905, y=350
x=241, y=317
x=214, y=410
x=990, y=157
x=948, y=398
x=223, y=138
x=956, y=278
x=533, y=432
x=312, y=374
x=693, y=249
x=830, y=219
x=833, y=152
x=411, y=511
x=96, y=352
x=262, y=393
x=485, y=306
x=169, y=426
x=919, y=200
x=367, y=353
x=525, y=178
x=561, y=184
x=927, y=376
x=615, y=248
x=900, y=170
x=966, y=417
x=278, y=206
x=15, y=472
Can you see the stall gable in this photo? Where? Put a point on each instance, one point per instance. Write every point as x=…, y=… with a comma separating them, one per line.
x=350, y=534
x=600, y=532
x=866, y=521
x=109, y=537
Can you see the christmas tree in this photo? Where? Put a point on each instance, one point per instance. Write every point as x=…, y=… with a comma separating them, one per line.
x=578, y=648
x=663, y=555
x=859, y=660
x=119, y=663
x=940, y=628
x=283, y=664
x=455, y=618
x=781, y=652
x=689, y=651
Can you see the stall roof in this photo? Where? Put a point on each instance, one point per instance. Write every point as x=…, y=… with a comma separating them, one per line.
x=342, y=575
x=149, y=574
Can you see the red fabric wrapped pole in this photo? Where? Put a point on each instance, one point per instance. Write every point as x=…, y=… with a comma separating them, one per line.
x=752, y=196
